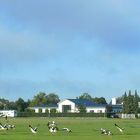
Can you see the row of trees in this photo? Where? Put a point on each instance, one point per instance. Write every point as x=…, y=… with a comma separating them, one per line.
x=99, y=100
x=130, y=103
x=42, y=99
x=20, y=105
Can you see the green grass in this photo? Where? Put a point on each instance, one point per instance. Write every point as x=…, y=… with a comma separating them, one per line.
x=83, y=129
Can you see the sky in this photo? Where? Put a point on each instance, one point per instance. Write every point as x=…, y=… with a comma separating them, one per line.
x=69, y=48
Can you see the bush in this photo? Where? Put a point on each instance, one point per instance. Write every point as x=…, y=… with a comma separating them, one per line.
x=46, y=111
x=31, y=114
x=40, y=110
x=53, y=111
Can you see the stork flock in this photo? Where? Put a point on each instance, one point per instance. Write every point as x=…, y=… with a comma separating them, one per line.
x=52, y=126
x=6, y=126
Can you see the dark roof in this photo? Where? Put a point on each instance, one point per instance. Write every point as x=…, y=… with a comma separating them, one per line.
x=117, y=106
x=86, y=103
x=47, y=105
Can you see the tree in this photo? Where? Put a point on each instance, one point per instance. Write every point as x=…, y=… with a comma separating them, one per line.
x=130, y=103
x=125, y=103
x=100, y=100
x=131, y=107
x=82, y=109
x=85, y=96
x=119, y=100
x=53, y=111
x=52, y=98
x=12, y=106
x=21, y=105
x=136, y=100
x=39, y=99
x=4, y=104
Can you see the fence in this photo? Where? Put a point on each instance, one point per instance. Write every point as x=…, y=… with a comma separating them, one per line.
x=128, y=116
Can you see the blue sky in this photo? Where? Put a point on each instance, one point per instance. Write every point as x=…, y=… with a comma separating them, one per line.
x=69, y=48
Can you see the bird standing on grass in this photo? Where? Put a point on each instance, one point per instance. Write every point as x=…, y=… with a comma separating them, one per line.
x=119, y=128
x=53, y=129
x=106, y=132
x=52, y=126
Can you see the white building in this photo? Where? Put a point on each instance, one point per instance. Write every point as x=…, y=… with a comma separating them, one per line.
x=114, y=102
x=8, y=113
x=71, y=105
x=116, y=108
x=43, y=108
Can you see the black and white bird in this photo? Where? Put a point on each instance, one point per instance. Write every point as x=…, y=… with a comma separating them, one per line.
x=52, y=126
x=53, y=129
x=9, y=126
x=106, y=132
x=119, y=128
x=3, y=127
x=66, y=129
x=33, y=130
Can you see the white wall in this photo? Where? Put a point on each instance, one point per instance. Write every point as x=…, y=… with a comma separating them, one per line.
x=96, y=109
x=36, y=110
x=75, y=109
x=113, y=101
x=66, y=102
x=8, y=113
x=43, y=110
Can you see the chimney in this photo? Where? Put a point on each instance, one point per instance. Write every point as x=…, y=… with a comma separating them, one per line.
x=113, y=101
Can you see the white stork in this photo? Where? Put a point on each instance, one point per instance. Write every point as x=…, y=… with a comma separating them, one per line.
x=106, y=132
x=66, y=129
x=3, y=127
x=119, y=128
x=33, y=130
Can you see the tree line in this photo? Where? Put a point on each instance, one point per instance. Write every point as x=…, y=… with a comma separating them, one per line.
x=131, y=103
x=41, y=99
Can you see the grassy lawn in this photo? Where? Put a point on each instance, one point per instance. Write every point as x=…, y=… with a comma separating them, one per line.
x=83, y=129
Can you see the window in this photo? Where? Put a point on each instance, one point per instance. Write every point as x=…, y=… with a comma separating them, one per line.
x=99, y=111
x=91, y=111
x=66, y=108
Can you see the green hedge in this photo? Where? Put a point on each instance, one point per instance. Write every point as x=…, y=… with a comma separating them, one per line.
x=29, y=114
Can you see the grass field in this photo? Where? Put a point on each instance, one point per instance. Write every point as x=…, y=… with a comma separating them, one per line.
x=83, y=129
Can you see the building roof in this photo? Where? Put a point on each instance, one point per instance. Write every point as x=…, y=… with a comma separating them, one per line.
x=46, y=106
x=86, y=103
x=117, y=106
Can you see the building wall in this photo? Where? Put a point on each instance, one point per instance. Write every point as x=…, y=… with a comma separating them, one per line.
x=75, y=109
x=66, y=102
x=8, y=113
x=114, y=101
x=43, y=109
x=36, y=110
x=96, y=109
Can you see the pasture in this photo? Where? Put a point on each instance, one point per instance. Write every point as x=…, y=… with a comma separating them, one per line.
x=82, y=129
